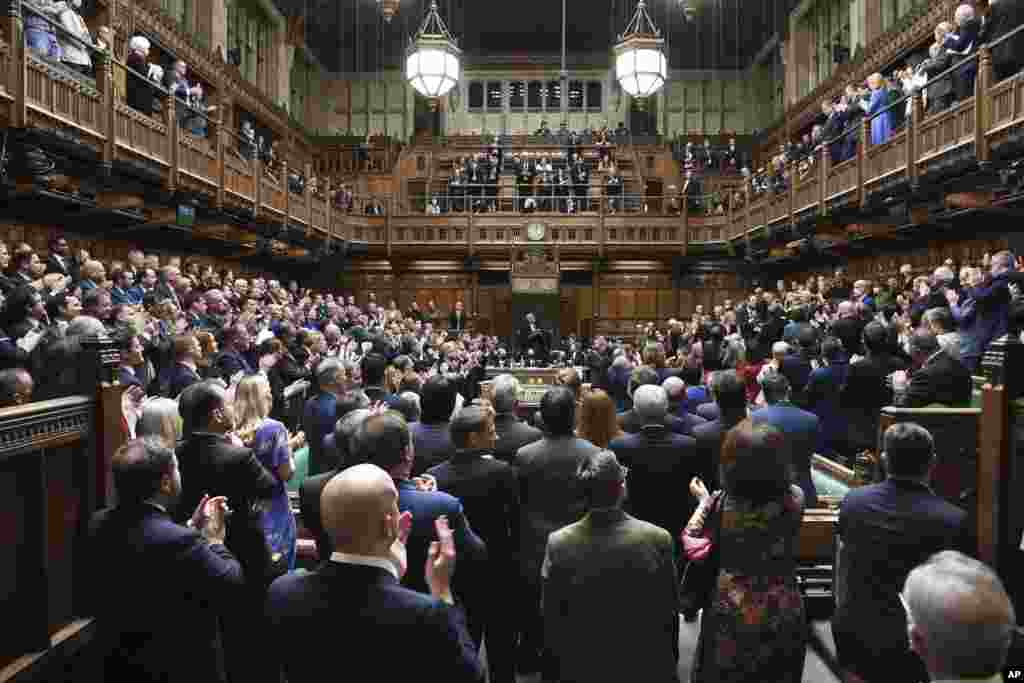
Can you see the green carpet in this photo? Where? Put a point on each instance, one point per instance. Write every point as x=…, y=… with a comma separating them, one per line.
x=301, y=469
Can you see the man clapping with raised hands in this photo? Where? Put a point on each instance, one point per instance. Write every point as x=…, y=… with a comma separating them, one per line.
x=353, y=606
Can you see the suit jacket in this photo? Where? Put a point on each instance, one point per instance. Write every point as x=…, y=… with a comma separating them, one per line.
x=887, y=529
x=610, y=588
x=513, y=434
x=210, y=463
x=489, y=492
x=849, y=331
x=942, y=379
x=709, y=437
x=309, y=510
x=170, y=634
x=549, y=495
x=427, y=506
x=1003, y=17
x=802, y=432
x=229, y=363
x=631, y=423
x=319, y=418
x=175, y=379
x=62, y=266
x=308, y=611
x=661, y=465
x=866, y=391
x=432, y=444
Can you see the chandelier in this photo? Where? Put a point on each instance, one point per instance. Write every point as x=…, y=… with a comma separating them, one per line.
x=640, y=63
x=389, y=8
x=432, y=60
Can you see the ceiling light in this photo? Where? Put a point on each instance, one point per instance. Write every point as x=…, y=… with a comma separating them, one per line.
x=432, y=60
x=640, y=64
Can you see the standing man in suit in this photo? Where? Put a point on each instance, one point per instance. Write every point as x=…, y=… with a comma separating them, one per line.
x=384, y=440
x=936, y=377
x=457, y=318
x=730, y=395
x=599, y=360
x=1003, y=17
x=533, y=338
x=59, y=260
x=143, y=633
x=233, y=356
x=800, y=427
x=885, y=530
x=357, y=592
x=610, y=588
x=867, y=388
x=212, y=462
x=513, y=433
x=631, y=422
x=661, y=463
x=549, y=498
x=489, y=492
x=320, y=414
x=431, y=435
x=185, y=370
x=961, y=44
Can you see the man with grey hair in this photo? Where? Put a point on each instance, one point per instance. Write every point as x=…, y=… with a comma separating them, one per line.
x=312, y=487
x=610, y=568
x=85, y=326
x=959, y=618
x=937, y=377
x=321, y=412
x=960, y=45
x=991, y=303
x=939, y=321
x=512, y=432
x=885, y=530
x=675, y=389
x=661, y=462
x=655, y=405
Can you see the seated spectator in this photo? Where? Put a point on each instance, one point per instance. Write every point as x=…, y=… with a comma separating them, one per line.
x=306, y=610
x=201, y=579
x=936, y=376
x=960, y=619
x=610, y=569
x=885, y=530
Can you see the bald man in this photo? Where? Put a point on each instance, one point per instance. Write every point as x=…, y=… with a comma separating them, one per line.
x=353, y=612
x=959, y=618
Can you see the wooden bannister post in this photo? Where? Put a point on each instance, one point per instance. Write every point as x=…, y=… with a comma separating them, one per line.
x=18, y=76
x=685, y=237
x=823, y=165
x=328, y=226
x=105, y=85
x=221, y=151
x=982, y=105
x=307, y=192
x=862, y=153
x=913, y=130
x=174, y=153
x=387, y=225
x=284, y=181
x=257, y=170
x=746, y=215
x=794, y=176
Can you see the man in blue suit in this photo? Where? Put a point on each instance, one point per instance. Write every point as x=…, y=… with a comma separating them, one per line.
x=321, y=413
x=354, y=603
x=232, y=357
x=168, y=634
x=886, y=530
x=432, y=434
x=385, y=441
x=185, y=370
x=800, y=427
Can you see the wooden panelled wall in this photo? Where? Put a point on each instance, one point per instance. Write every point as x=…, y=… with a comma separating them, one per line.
x=105, y=250
x=924, y=258
x=625, y=297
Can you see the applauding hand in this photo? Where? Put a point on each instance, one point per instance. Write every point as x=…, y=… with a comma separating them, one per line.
x=441, y=561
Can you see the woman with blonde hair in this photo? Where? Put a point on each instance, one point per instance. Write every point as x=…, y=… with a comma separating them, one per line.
x=596, y=422
x=270, y=442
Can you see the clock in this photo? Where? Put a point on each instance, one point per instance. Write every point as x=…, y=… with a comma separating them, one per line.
x=535, y=232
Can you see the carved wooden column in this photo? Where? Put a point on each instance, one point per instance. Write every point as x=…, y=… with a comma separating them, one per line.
x=328, y=218
x=174, y=153
x=285, y=185
x=221, y=142
x=684, y=218
x=823, y=163
x=862, y=152
x=982, y=105
x=105, y=85
x=913, y=129
x=17, y=77
x=307, y=193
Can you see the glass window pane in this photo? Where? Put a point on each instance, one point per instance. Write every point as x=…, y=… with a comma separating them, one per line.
x=576, y=95
x=476, y=95
x=533, y=95
x=494, y=95
x=517, y=95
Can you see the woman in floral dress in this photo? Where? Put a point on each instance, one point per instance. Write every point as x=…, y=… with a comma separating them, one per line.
x=754, y=629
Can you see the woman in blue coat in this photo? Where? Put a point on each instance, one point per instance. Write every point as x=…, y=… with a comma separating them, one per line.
x=881, y=125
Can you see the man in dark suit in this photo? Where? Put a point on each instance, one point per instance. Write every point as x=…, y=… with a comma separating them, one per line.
x=961, y=44
x=513, y=433
x=631, y=423
x=211, y=462
x=550, y=498
x=1003, y=17
x=170, y=634
x=661, y=464
x=605, y=570
x=533, y=338
x=489, y=492
x=166, y=288
x=357, y=592
x=185, y=370
x=937, y=377
x=385, y=441
x=885, y=530
x=312, y=487
x=799, y=427
x=731, y=398
x=431, y=435
x=59, y=260
x=599, y=361
x=372, y=368
x=867, y=388
x=849, y=328
x=232, y=358
x=321, y=414
x=457, y=318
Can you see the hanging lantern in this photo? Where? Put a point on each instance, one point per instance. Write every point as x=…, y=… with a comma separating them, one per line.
x=640, y=64
x=432, y=61
x=389, y=8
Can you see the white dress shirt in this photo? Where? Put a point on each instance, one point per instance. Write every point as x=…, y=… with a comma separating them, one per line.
x=365, y=561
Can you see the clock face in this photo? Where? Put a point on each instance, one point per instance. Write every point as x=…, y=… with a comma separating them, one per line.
x=535, y=231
